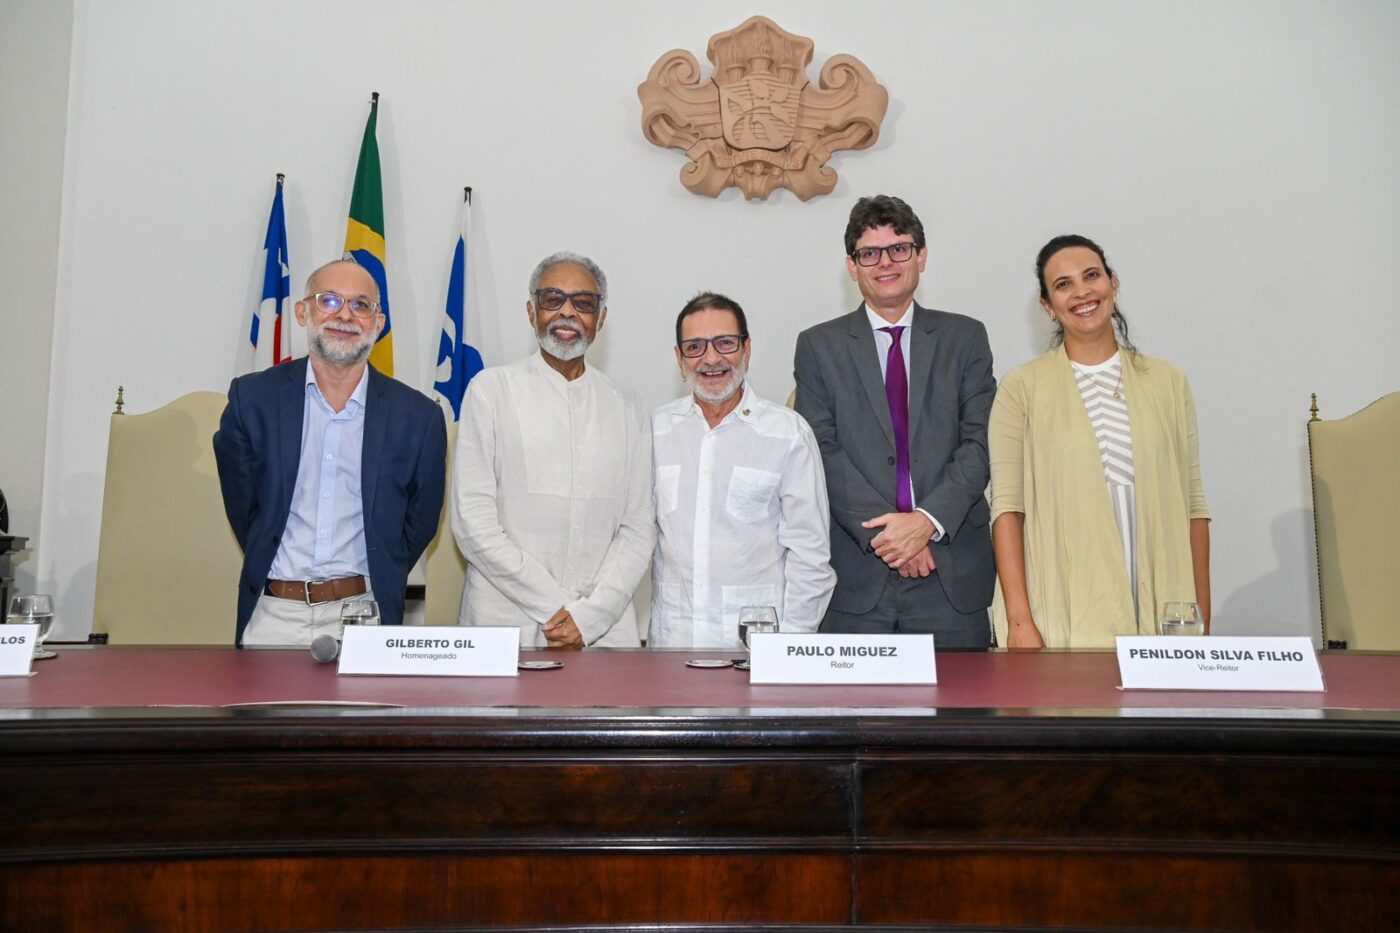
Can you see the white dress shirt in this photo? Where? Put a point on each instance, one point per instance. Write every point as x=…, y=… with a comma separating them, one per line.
x=883, y=342
x=743, y=520
x=551, y=502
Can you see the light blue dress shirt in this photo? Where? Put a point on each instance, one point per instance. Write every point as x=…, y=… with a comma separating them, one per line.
x=325, y=533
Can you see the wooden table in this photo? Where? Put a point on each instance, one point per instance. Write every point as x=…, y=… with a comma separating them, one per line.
x=149, y=789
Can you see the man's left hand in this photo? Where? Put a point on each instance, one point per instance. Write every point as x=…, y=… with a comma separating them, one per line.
x=561, y=632
x=905, y=534
x=920, y=565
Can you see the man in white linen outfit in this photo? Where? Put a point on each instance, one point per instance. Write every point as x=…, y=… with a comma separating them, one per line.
x=551, y=486
x=741, y=501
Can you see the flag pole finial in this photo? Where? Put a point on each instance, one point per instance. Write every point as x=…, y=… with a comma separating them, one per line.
x=281, y=178
x=374, y=97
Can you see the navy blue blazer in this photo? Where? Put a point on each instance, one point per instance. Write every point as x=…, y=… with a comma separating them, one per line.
x=402, y=469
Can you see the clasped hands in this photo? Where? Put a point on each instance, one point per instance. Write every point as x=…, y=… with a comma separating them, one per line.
x=561, y=632
x=903, y=542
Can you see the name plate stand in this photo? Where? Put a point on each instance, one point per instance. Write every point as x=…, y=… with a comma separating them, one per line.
x=430, y=651
x=17, y=649
x=781, y=658
x=1217, y=662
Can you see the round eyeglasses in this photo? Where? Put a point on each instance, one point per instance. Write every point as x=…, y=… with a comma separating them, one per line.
x=725, y=344
x=332, y=302
x=898, y=252
x=552, y=299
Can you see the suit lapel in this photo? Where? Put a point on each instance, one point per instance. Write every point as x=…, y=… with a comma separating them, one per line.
x=921, y=345
x=291, y=415
x=867, y=367
x=376, y=423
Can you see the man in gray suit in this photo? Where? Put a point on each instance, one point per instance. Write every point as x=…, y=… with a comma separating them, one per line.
x=898, y=397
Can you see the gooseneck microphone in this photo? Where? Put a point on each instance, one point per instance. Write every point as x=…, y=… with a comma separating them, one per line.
x=325, y=648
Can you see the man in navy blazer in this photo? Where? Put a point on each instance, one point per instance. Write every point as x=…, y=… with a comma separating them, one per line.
x=898, y=397
x=332, y=473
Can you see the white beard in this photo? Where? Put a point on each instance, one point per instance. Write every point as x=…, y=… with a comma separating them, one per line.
x=724, y=392
x=558, y=348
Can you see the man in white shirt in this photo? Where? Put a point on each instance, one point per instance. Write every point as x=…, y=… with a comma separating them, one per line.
x=740, y=495
x=551, y=486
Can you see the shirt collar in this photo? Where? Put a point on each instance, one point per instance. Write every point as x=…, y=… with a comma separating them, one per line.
x=539, y=365
x=357, y=397
x=688, y=407
x=877, y=322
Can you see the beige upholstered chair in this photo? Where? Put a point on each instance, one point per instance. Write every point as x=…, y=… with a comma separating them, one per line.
x=444, y=567
x=1356, y=511
x=167, y=564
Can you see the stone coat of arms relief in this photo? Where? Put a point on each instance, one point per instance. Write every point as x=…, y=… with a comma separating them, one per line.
x=757, y=122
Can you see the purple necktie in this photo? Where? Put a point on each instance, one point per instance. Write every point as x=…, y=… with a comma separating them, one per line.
x=897, y=394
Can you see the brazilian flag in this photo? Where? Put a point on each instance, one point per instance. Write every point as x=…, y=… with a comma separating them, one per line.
x=364, y=234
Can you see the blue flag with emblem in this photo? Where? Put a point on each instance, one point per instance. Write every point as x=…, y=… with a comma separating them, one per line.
x=457, y=360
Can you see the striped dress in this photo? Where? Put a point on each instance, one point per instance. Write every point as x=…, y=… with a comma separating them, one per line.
x=1101, y=387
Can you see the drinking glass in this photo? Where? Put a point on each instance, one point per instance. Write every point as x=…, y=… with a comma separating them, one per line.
x=37, y=610
x=755, y=619
x=359, y=612
x=1182, y=619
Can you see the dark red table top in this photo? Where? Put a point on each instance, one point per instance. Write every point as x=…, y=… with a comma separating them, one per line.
x=112, y=678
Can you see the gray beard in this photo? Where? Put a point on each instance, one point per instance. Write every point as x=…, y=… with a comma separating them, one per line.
x=558, y=348
x=341, y=354
x=736, y=376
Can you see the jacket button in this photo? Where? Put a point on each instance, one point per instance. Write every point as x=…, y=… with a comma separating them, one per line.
x=891, y=461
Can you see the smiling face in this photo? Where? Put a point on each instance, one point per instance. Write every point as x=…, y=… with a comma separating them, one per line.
x=1081, y=294
x=340, y=337
x=713, y=376
x=888, y=286
x=565, y=334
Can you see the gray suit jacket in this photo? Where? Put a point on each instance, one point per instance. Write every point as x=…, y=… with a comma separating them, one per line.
x=842, y=395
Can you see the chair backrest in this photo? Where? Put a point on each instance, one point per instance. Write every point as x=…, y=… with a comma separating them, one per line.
x=1356, y=511
x=444, y=567
x=167, y=563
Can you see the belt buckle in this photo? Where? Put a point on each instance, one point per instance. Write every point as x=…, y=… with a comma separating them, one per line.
x=306, y=586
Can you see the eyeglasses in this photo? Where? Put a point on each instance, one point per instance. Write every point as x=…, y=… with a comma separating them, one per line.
x=552, y=299
x=332, y=302
x=898, y=252
x=724, y=343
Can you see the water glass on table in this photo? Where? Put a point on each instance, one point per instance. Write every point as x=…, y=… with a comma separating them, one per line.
x=35, y=609
x=359, y=612
x=1181, y=619
x=756, y=620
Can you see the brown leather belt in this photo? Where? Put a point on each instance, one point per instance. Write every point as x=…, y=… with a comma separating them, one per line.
x=312, y=592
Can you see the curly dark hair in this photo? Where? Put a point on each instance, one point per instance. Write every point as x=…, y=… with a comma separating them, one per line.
x=883, y=210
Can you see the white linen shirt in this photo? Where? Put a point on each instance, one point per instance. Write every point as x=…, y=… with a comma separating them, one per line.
x=743, y=519
x=551, y=502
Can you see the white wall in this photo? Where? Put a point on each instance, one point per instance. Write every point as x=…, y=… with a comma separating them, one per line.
x=1237, y=160
x=35, y=36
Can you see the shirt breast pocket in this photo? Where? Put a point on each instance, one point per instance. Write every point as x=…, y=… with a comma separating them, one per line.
x=668, y=485
x=752, y=494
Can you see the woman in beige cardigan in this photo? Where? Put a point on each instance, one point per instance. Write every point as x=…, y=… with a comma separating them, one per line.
x=1098, y=517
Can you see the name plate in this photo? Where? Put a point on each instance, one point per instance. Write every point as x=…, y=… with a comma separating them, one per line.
x=430, y=651
x=1214, y=662
x=17, y=649
x=779, y=658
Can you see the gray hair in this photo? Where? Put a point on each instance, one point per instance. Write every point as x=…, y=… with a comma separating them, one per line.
x=574, y=259
x=345, y=261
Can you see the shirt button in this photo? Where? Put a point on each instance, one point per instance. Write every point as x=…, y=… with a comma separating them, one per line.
x=329, y=457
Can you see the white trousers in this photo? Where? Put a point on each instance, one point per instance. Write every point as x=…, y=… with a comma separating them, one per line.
x=291, y=623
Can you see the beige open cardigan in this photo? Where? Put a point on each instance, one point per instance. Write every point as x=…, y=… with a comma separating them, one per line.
x=1046, y=464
